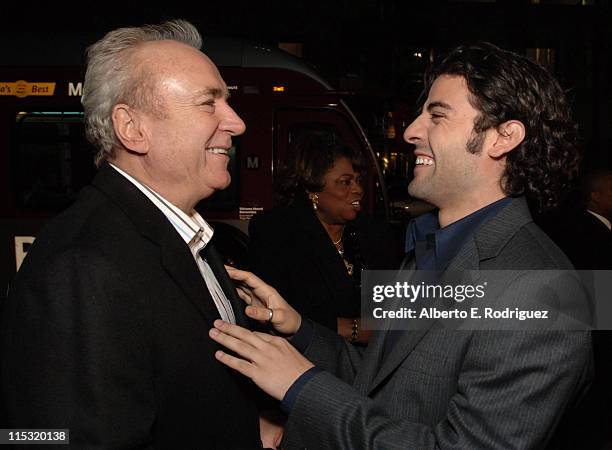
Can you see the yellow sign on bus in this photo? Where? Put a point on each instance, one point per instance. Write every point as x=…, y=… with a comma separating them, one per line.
x=23, y=88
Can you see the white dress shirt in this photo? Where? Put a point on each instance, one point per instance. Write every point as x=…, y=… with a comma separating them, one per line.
x=196, y=233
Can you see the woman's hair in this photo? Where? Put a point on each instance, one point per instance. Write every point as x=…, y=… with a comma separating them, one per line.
x=311, y=156
x=114, y=76
x=506, y=86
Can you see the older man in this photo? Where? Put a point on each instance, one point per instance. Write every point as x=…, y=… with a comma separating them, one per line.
x=105, y=328
x=494, y=126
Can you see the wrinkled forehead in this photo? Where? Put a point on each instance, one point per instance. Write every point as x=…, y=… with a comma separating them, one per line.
x=181, y=67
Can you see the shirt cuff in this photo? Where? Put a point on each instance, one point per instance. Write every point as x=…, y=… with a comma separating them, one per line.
x=303, y=336
x=295, y=389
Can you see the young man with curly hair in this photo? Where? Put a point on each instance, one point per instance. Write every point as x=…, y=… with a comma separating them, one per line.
x=494, y=129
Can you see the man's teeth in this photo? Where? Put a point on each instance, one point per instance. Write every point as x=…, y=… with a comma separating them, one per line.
x=423, y=161
x=356, y=203
x=221, y=151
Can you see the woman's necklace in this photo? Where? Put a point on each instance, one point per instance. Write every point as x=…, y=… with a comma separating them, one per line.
x=338, y=245
x=340, y=249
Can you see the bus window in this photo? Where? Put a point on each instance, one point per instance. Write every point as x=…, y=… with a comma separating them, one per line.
x=51, y=160
x=326, y=130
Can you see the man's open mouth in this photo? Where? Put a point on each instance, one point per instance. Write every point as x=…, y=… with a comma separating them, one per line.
x=218, y=151
x=424, y=161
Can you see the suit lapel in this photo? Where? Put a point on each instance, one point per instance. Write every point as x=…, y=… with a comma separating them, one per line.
x=402, y=344
x=370, y=362
x=487, y=242
x=180, y=265
x=409, y=262
x=216, y=264
x=493, y=236
x=176, y=258
x=406, y=342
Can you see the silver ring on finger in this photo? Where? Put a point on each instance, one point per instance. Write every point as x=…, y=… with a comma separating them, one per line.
x=271, y=312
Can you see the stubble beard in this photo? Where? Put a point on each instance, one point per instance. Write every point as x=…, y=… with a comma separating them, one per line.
x=422, y=189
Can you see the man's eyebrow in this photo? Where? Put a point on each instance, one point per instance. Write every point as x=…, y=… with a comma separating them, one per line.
x=213, y=92
x=439, y=104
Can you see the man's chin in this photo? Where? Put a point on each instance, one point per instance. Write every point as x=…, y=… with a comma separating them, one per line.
x=220, y=185
x=414, y=191
x=227, y=182
x=420, y=192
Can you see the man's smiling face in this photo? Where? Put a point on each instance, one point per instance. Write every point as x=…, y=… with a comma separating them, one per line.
x=445, y=170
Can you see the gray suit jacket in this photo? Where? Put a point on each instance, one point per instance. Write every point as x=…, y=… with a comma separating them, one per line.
x=449, y=389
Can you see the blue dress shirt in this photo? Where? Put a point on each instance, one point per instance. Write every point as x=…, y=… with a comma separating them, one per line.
x=433, y=248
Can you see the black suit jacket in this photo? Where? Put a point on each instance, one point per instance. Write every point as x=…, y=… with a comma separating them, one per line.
x=105, y=332
x=290, y=249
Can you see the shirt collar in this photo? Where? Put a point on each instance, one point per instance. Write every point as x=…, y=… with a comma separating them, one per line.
x=189, y=227
x=443, y=244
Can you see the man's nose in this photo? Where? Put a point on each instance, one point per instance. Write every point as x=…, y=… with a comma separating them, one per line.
x=231, y=122
x=414, y=131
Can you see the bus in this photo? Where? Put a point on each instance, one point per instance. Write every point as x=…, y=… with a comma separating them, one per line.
x=45, y=159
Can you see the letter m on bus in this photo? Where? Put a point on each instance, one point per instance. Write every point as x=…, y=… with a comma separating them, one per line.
x=75, y=90
x=252, y=162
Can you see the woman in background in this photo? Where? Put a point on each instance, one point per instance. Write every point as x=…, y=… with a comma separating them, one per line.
x=313, y=246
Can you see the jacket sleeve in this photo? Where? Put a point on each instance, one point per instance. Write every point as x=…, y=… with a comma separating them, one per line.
x=331, y=352
x=75, y=353
x=510, y=394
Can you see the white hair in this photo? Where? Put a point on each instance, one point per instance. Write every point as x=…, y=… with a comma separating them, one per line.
x=113, y=77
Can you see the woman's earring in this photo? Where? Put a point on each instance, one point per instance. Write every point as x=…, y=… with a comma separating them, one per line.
x=314, y=198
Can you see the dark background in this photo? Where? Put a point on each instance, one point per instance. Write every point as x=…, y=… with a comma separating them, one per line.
x=370, y=45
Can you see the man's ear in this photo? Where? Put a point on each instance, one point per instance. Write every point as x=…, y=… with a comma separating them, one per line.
x=509, y=135
x=129, y=129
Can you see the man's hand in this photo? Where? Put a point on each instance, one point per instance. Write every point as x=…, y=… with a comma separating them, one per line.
x=263, y=298
x=270, y=361
x=271, y=428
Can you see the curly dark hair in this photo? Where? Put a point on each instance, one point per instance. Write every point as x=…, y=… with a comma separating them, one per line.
x=507, y=86
x=311, y=155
